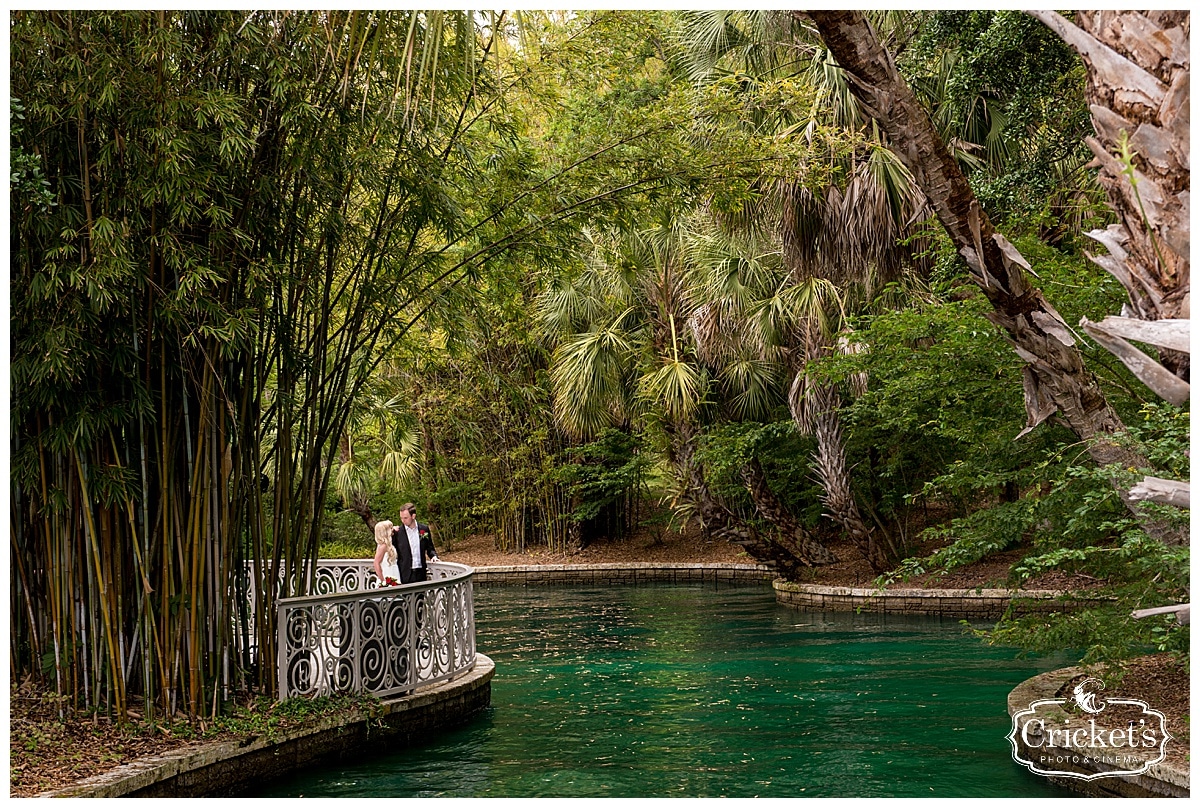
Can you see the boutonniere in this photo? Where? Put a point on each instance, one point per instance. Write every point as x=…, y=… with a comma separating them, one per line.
x=423, y=531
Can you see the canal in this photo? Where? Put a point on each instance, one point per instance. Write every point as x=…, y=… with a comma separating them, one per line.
x=711, y=691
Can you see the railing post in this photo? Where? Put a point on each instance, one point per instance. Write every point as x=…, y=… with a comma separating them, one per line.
x=281, y=667
x=414, y=641
x=452, y=617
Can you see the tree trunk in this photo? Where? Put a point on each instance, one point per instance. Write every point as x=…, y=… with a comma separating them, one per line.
x=792, y=534
x=876, y=546
x=814, y=410
x=1055, y=379
x=1139, y=78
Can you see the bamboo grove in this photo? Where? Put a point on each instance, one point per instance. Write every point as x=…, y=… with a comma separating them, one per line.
x=247, y=211
x=224, y=225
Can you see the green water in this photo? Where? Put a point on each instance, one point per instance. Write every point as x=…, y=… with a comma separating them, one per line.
x=700, y=691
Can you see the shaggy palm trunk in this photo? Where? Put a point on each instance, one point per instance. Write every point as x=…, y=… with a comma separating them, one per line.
x=876, y=545
x=1054, y=377
x=815, y=410
x=792, y=535
x=1139, y=74
x=716, y=519
x=1139, y=79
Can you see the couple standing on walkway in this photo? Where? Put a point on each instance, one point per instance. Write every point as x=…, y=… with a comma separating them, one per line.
x=401, y=552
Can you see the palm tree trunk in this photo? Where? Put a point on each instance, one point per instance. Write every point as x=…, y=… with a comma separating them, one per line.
x=792, y=535
x=1055, y=379
x=877, y=546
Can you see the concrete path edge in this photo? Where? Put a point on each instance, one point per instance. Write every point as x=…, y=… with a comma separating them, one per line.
x=970, y=604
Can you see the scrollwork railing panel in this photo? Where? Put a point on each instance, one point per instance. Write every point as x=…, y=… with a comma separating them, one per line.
x=380, y=640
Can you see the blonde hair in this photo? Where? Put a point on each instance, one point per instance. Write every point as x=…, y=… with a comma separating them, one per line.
x=383, y=537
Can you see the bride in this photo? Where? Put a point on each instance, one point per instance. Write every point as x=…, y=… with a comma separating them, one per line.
x=385, y=555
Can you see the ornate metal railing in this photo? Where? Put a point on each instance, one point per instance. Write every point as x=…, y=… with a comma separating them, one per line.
x=355, y=637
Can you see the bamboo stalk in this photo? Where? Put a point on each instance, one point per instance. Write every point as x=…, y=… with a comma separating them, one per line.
x=102, y=592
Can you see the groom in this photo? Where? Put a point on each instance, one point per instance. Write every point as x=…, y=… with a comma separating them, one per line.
x=413, y=546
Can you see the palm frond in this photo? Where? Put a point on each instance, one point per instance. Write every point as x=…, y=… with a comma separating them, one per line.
x=587, y=372
x=401, y=461
x=813, y=300
x=753, y=42
x=833, y=91
x=847, y=347
x=796, y=399
x=756, y=383
x=678, y=386
x=569, y=306
x=352, y=481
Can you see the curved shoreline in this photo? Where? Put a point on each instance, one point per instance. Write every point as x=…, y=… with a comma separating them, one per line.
x=622, y=574
x=970, y=604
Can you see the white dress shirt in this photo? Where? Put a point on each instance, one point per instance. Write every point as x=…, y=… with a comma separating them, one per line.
x=414, y=544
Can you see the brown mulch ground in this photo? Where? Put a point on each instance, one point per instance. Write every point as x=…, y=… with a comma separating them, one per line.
x=689, y=547
x=668, y=548
x=48, y=754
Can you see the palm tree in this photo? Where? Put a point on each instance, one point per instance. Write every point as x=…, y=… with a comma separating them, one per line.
x=847, y=232
x=746, y=330
x=629, y=354
x=1148, y=248
x=382, y=440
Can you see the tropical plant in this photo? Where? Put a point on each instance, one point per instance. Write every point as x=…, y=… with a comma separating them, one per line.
x=1055, y=379
x=845, y=231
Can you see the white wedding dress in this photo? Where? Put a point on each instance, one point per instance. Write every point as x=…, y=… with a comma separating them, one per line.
x=390, y=570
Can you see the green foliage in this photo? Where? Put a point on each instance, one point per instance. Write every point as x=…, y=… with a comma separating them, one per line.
x=784, y=453
x=27, y=181
x=1108, y=633
x=253, y=214
x=944, y=401
x=262, y=716
x=344, y=535
x=1001, y=80
x=1074, y=522
x=606, y=473
x=944, y=393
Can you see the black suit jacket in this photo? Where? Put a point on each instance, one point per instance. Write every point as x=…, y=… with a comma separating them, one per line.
x=404, y=557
